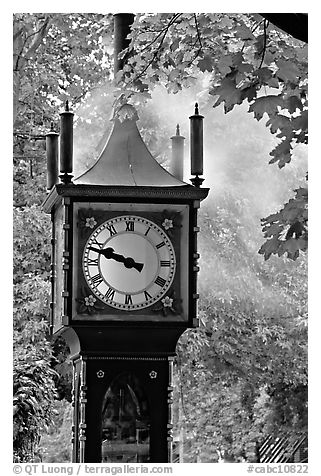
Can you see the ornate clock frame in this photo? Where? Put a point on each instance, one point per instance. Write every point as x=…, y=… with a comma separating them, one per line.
x=77, y=210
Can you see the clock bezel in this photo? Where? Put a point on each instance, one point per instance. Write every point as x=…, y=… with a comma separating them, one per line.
x=142, y=229
x=176, y=307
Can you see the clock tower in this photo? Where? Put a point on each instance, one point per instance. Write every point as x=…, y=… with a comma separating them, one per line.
x=124, y=286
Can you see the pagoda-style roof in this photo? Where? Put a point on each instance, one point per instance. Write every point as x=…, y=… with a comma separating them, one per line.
x=125, y=160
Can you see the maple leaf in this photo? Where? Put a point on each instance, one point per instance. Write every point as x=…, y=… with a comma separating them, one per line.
x=244, y=33
x=273, y=82
x=301, y=122
x=293, y=247
x=279, y=121
x=228, y=93
x=266, y=104
x=206, y=63
x=281, y=153
x=293, y=103
x=273, y=229
x=264, y=74
x=249, y=92
x=245, y=68
x=269, y=247
x=224, y=65
x=237, y=59
x=288, y=71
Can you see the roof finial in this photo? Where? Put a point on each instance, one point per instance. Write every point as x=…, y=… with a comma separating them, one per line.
x=196, y=109
x=177, y=130
x=67, y=105
x=52, y=127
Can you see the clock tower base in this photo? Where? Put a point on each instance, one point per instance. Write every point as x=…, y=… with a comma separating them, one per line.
x=122, y=400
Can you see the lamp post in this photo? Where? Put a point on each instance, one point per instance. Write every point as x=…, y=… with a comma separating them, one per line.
x=177, y=165
x=66, y=144
x=52, y=157
x=196, y=145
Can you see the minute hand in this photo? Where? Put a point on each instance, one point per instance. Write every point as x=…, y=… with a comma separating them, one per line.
x=108, y=253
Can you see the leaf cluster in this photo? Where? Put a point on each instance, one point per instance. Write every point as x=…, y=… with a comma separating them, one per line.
x=55, y=443
x=286, y=231
x=243, y=374
x=245, y=59
x=33, y=379
x=70, y=59
x=33, y=391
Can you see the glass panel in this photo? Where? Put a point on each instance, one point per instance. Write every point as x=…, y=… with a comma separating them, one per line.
x=125, y=422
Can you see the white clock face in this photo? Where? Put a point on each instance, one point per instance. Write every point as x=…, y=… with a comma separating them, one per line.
x=129, y=262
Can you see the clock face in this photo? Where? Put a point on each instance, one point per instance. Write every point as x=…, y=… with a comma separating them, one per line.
x=129, y=262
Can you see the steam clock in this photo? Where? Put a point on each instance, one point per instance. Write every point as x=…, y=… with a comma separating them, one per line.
x=124, y=286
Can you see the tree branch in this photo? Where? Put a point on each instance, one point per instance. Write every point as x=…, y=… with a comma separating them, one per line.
x=39, y=35
x=198, y=32
x=164, y=31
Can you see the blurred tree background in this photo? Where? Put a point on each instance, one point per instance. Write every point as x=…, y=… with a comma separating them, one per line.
x=242, y=375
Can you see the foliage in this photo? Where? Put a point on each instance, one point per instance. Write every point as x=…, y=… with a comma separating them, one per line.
x=70, y=61
x=33, y=391
x=249, y=356
x=31, y=243
x=55, y=444
x=33, y=385
x=292, y=219
x=55, y=57
x=247, y=60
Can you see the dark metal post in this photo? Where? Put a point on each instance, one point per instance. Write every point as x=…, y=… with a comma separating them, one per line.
x=66, y=144
x=122, y=24
x=196, y=139
x=52, y=157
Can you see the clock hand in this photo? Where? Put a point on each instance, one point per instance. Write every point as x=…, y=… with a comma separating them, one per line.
x=108, y=253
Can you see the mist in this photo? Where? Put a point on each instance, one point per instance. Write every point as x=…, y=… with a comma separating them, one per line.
x=236, y=150
x=236, y=146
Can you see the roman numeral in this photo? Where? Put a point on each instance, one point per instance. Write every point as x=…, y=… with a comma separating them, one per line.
x=160, y=281
x=96, y=242
x=128, y=299
x=92, y=262
x=111, y=230
x=147, y=295
x=147, y=231
x=130, y=226
x=97, y=279
x=160, y=245
x=165, y=263
x=110, y=293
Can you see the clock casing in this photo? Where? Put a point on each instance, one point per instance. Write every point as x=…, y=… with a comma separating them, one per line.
x=150, y=227
x=130, y=261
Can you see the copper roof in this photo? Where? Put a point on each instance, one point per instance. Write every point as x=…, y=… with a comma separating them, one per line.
x=125, y=159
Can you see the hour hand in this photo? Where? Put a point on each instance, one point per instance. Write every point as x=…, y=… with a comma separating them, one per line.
x=108, y=253
x=130, y=263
